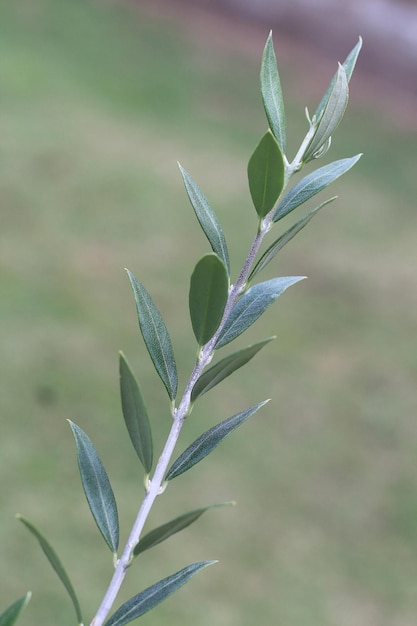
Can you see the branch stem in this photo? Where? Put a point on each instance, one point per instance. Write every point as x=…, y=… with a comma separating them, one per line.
x=155, y=485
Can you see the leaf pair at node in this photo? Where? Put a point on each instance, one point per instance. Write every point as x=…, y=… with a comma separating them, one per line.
x=302, y=191
x=208, y=299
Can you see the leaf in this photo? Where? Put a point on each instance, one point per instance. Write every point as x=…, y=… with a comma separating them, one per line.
x=135, y=414
x=209, y=289
x=156, y=337
x=209, y=440
x=331, y=116
x=172, y=527
x=54, y=560
x=312, y=184
x=348, y=65
x=272, y=94
x=154, y=595
x=10, y=615
x=225, y=367
x=283, y=239
x=266, y=174
x=207, y=218
x=97, y=488
x=251, y=306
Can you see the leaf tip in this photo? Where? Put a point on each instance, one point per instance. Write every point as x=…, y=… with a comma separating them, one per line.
x=73, y=426
x=183, y=172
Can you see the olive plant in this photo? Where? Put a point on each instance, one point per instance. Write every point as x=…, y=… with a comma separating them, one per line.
x=221, y=309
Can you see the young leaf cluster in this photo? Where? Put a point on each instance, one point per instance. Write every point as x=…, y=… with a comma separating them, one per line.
x=220, y=312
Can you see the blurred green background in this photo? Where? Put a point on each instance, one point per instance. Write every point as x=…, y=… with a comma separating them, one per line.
x=97, y=103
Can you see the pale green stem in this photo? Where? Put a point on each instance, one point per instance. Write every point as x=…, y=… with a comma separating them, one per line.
x=155, y=486
x=297, y=163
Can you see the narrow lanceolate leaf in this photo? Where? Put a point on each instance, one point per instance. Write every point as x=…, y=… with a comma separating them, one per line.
x=266, y=174
x=331, y=116
x=312, y=184
x=209, y=440
x=251, y=306
x=156, y=337
x=97, y=488
x=54, y=560
x=272, y=94
x=154, y=595
x=207, y=218
x=283, y=239
x=171, y=528
x=135, y=414
x=348, y=65
x=225, y=367
x=209, y=288
x=10, y=615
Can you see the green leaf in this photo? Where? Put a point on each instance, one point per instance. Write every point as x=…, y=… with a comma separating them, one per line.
x=156, y=337
x=312, y=184
x=251, y=306
x=272, y=94
x=54, y=560
x=207, y=218
x=172, y=527
x=266, y=174
x=154, y=595
x=97, y=488
x=348, y=65
x=10, y=615
x=331, y=116
x=135, y=414
x=209, y=289
x=209, y=440
x=283, y=239
x=225, y=367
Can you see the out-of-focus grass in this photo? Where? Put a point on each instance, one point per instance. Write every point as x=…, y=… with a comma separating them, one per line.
x=97, y=104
